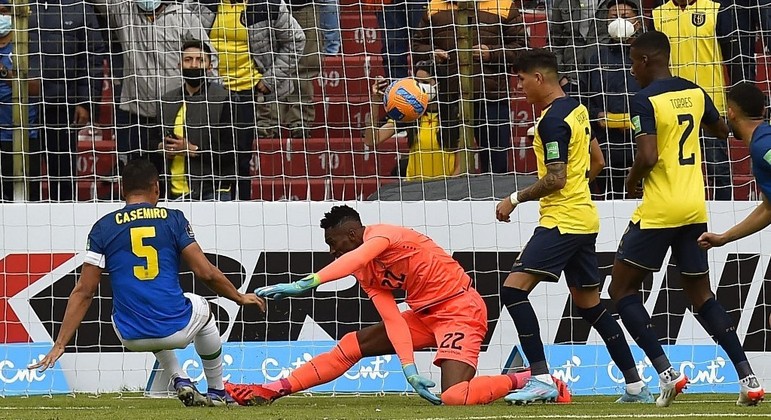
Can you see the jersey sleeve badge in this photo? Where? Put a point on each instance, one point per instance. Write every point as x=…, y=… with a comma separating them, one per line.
x=636, y=124
x=189, y=230
x=552, y=150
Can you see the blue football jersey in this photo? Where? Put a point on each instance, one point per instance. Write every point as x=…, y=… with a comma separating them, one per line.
x=760, y=152
x=140, y=247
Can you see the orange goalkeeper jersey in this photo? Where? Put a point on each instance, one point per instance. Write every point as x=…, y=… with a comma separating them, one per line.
x=412, y=262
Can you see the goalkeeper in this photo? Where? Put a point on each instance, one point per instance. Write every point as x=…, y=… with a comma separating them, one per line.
x=445, y=312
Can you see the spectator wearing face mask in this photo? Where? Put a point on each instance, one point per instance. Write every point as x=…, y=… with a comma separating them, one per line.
x=151, y=33
x=7, y=75
x=609, y=87
x=199, y=143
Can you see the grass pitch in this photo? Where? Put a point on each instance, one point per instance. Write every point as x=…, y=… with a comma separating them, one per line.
x=135, y=407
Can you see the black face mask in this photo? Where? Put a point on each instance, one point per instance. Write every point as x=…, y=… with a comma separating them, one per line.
x=194, y=77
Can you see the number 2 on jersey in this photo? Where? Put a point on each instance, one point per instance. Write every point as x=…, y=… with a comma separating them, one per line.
x=685, y=118
x=150, y=270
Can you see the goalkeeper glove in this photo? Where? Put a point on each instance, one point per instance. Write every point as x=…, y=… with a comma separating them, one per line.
x=280, y=291
x=420, y=384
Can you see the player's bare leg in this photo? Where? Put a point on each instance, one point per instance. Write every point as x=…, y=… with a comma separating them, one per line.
x=723, y=329
x=591, y=309
x=625, y=291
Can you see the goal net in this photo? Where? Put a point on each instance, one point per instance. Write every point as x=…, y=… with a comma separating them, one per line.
x=282, y=125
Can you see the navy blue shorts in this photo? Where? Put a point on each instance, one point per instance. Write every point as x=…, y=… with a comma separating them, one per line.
x=550, y=252
x=646, y=248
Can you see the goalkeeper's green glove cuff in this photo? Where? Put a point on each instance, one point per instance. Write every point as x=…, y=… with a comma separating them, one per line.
x=308, y=282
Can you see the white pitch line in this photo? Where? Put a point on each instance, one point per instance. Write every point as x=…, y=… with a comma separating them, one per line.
x=58, y=408
x=607, y=416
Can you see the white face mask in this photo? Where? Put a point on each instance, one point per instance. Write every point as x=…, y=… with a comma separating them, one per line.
x=429, y=89
x=620, y=29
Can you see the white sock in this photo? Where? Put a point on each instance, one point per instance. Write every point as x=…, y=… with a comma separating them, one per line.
x=635, y=388
x=209, y=347
x=545, y=378
x=669, y=375
x=168, y=361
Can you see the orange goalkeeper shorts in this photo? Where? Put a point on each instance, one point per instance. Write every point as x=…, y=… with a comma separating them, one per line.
x=455, y=327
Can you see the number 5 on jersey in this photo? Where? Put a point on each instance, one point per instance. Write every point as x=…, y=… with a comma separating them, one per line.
x=150, y=270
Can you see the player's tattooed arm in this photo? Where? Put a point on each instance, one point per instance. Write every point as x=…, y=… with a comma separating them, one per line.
x=554, y=180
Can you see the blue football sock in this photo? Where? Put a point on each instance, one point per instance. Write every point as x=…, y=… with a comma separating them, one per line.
x=522, y=313
x=722, y=327
x=638, y=323
x=614, y=339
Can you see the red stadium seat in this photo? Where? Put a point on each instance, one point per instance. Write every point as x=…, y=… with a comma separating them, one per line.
x=342, y=112
x=360, y=33
x=346, y=76
x=318, y=157
x=537, y=28
x=763, y=75
x=745, y=188
x=739, y=154
x=316, y=189
x=522, y=157
x=96, y=158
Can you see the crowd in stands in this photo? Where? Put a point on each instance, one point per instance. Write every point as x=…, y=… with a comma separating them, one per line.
x=220, y=94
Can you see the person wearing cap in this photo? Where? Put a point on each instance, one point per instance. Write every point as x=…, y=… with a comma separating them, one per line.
x=609, y=87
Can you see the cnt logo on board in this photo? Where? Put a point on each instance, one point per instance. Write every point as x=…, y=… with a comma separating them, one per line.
x=264, y=347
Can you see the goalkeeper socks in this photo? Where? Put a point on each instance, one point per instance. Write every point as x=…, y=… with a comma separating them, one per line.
x=640, y=327
x=522, y=313
x=614, y=339
x=209, y=348
x=479, y=390
x=328, y=366
x=519, y=379
x=168, y=361
x=722, y=327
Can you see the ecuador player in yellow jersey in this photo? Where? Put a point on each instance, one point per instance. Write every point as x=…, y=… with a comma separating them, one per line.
x=567, y=232
x=666, y=115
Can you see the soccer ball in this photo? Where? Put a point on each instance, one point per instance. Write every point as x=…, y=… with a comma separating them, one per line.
x=405, y=100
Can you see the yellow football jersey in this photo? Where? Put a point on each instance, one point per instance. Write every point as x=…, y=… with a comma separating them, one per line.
x=673, y=192
x=562, y=134
x=231, y=40
x=696, y=55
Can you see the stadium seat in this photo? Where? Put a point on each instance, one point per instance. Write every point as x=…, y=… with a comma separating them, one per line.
x=745, y=187
x=537, y=28
x=346, y=76
x=359, y=32
x=315, y=189
x=318, y=157
x=739, y=154
x=96, y=158
x=343, y=112
x=763, y=75
x=522, y=157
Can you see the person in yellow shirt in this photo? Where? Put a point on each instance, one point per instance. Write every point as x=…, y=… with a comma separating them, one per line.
x=433, y=142
x=258, y=43
x=695, y=29
x=666, y=115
